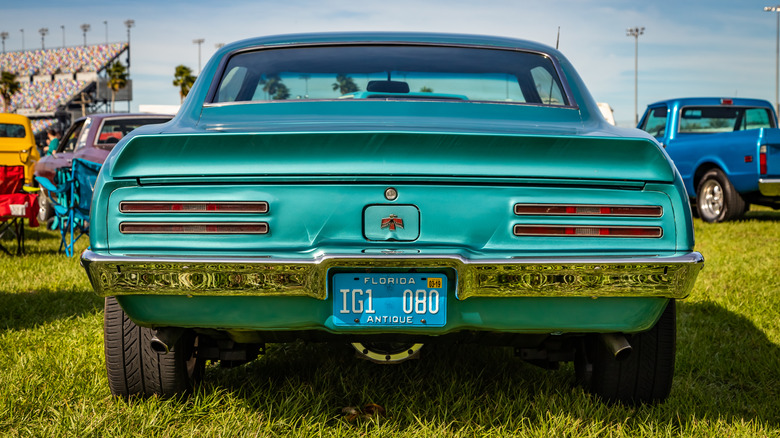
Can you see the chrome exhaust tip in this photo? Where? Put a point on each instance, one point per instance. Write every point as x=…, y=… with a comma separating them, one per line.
x=617, y=344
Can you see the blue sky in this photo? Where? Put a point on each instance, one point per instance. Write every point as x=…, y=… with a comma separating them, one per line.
x=689, y=48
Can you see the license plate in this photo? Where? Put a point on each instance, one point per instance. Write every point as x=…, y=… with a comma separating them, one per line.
x=389, y=300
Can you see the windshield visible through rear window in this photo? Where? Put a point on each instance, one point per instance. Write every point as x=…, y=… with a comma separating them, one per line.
x=714, y=119
x=9, y=130
x=391, y=72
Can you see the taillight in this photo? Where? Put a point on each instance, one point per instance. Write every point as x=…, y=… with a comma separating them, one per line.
x=193, y=228
x=588, y=210
x=260, y=207
x=762, y=160
x=586, y=231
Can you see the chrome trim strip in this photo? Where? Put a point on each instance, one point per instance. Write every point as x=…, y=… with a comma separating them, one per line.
x=262, y=207
x=769, y=186
x=670, y=277
x=607, y=236
x=123, y=227
x=520, y=205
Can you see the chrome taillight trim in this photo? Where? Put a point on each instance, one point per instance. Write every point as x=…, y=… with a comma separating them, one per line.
x=132, y=207
x=193, y=227
x=587, y=231
x=585, y=207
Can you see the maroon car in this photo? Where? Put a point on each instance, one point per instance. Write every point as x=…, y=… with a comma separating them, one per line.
x=90, y=138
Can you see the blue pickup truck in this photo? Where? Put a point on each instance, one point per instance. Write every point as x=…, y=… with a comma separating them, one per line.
x=727, y=151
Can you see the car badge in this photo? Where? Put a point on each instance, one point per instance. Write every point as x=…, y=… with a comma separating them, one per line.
x=392, y=222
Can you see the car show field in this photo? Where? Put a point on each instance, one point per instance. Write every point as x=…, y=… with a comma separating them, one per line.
x=53, y=380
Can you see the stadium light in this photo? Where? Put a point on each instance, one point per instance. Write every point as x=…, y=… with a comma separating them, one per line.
x=635, y=32
x=129, y=24
x=777, y=56
x=3, y=36
x=43, y=31
x=85, y=28
x=199, y=42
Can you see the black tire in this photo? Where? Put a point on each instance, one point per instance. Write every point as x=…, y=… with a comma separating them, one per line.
x=645, y=376
x=135, y=369
x=716, y=198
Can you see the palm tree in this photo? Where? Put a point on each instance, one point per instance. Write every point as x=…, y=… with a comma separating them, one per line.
x=8, y=87
x=184, y=79
x=344, y=84
x=274, y=88
x=117, y=79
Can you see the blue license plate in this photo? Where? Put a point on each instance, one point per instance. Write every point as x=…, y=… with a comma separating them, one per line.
x=389, y=300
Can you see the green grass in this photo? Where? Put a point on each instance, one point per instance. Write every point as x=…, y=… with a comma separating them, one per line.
x=727, y=383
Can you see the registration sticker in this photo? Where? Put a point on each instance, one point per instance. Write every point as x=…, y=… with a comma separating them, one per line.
x=389, y=299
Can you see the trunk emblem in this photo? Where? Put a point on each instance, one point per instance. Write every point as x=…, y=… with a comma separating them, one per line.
x=392, y=222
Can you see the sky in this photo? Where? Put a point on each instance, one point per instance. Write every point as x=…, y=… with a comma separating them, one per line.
x=723, y=48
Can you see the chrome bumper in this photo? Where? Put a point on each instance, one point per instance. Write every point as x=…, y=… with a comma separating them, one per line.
x=769, y=187
x=669, y=277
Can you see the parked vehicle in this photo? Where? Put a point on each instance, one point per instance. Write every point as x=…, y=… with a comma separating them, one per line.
x=467, y=189
x=17, y=144
x=727, y=151
x=90, y=138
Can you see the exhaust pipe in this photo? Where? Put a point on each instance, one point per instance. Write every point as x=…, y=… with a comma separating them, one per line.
x=617, y=344
x=164, y=338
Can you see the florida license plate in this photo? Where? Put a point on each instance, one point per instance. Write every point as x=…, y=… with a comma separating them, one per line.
x=389, y=300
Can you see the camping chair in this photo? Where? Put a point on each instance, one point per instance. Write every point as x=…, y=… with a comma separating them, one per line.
x=59, y=196
x=83, y=177
x=15, y=205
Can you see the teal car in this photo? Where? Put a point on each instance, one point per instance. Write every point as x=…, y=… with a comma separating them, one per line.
x=390, y=190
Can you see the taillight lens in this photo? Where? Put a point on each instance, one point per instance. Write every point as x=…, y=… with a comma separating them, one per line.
x=762, y=160
x=586, y=231
x=194, y=228
x=588, y=210
x=260, y=207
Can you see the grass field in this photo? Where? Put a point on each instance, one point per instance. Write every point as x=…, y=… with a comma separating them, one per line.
x=727, y=382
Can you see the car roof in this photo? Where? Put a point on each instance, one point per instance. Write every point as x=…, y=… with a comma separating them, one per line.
x=735, y=101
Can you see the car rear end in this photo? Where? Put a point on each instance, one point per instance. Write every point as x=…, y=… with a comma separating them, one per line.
x=389, y=218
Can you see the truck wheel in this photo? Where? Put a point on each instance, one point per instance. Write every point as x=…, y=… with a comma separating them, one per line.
x=645, y=376
x=135, y=369
x=716, y=199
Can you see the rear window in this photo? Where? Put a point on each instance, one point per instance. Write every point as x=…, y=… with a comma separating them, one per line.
x=715, y=119
x=113, y=130
x=391, y=72
x=9, y=130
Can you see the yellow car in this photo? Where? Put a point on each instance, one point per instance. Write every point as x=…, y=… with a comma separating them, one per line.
x=17, y=144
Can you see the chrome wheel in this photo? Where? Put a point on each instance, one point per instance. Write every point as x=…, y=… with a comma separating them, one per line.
x=712, y=201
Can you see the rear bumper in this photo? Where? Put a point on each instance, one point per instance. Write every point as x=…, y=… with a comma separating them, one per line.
x=769, y=187
x=661, y=277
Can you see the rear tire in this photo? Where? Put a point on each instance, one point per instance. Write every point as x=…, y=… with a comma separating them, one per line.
x=135, y=369
x=643, y=377
x=716, y=198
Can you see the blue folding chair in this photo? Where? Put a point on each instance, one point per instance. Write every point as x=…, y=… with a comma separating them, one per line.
x=83, y=177
x=59, y=198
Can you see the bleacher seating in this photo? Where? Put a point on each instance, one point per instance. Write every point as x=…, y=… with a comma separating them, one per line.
x=52, y=77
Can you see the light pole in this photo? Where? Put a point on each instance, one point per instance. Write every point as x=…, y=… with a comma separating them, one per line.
x=635, y=32
x=43, y=31
x=777, y=56
x=22, y=31
x=85, y=28
x=3, y=36
x=62, y=26
x=199, y=42
x=129, y=24
x=105, y=23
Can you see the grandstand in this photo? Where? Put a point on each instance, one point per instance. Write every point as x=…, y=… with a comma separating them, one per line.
x=59, y=85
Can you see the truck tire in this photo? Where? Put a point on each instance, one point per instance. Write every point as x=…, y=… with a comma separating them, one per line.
x=645, y=376
x=716, y=198
x=135, y=369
